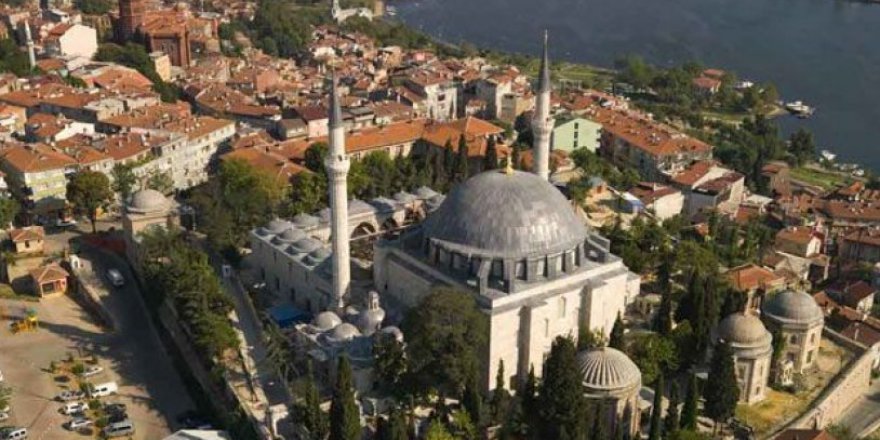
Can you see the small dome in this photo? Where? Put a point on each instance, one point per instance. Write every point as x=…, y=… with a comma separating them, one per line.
x=291, y=235
x=305, y=221
x=147, y=201
x=393, y=331
x=743, y=329
x=305, y=245
x=344, y=332
x=608, y=369
x=318, y=255
x=369, y=321
x=277, y=226
x=791, y=306
x=326, y=321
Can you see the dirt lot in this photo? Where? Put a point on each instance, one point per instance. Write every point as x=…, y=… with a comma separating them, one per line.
x=132, y=356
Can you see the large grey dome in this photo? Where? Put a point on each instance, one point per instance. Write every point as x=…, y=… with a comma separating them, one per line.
x=608, y=369
x=147, y=201
x=505, y=215
x=794, y=307
x=744, y=330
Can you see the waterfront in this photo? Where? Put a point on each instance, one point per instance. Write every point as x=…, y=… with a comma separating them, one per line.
x=823, y=52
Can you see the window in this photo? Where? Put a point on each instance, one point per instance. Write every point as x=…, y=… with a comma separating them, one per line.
x=575, y=135
x=794, y=339
x=810, y=356
x=562, y=307
x=27, y=244
x=546, y=328
x=577, y=125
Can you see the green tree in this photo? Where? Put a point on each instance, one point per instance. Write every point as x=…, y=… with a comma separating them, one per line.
x=500, y=396
x=656, y=427
x=672, y=420
x=617, y=337
x=446, y=337
x=13, y=59
x=94, y=7
x=653, y=354
x=600, y=421
x=89, y=192
x=461, y=160
x=308, y=193
x=397, y=427
x=9, y=208
x=345, y=421
x=124, y=180
x=528, y=400
x=801, y=147
x=462, y=427
x=314, y=156
x=691, y=404
x=490, y=160
x=561, y=401
x=436, y=431
x=390, y=360
x=472, y=399
x=722, y=396
x=160, y=181
x=309, y=413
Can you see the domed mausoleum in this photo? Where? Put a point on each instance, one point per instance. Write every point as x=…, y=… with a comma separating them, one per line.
x=752, y=348
x=145, y=209
x=797, y=318
x=610, y=376
x=513, y=241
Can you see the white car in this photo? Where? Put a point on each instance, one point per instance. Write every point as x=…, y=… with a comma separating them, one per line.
x=1, y=376
x=77, y=423
x=73, y=408
x=115, y=277
x=4, y=416
x=92, y=371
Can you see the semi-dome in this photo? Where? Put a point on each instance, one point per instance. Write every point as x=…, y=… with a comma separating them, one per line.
x=344, y=332
x=326, y=321
x=305, y=245
x=289, y=236
x=318, y=255
x=794, y=307
x=147, y=201
x=505, y=215
x=608, y=369
x=743, y=329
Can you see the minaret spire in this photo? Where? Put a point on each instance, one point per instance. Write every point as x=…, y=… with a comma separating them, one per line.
x=32, y=57
x=337, y=164
x=541, y=123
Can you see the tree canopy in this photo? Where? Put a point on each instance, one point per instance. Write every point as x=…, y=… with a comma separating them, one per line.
x=89, y=192
x=561, y=403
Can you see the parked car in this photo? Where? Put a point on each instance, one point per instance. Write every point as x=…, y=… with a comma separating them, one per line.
x=117, y=417
x=103, y=389
x=92, y=371
x=70, y=395
x=14, y=433
x=4, y=416
x=73, y=408
x=119, y=429
x=65, y=223
x=114, y=408
x=115, y=277
x=193, y=420
x=77, y=423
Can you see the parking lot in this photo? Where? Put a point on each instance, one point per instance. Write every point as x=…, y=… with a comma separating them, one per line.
x=131, y=356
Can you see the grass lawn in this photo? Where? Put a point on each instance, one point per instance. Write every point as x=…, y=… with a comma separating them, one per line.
x=824, y=179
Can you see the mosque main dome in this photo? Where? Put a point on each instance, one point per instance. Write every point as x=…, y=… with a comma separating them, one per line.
x=505, y=215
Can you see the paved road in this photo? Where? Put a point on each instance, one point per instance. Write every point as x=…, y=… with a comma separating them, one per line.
x=865, y=412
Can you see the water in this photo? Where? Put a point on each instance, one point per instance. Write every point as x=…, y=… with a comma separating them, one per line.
x=824, y=52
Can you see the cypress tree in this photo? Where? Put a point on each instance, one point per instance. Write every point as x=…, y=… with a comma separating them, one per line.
x=313, y=419
x=500, y=396
x=396, y=428
x=441, y=174
x=670, y=424
x=345, y=423
x=663, y=321
x=600, y=422
x=691, y=401
x=472, y=400
x=561, y=400
x=616, y=339
x=656, y=429
x=722, y=396
x=461, y=161
x=490, y=160
x=529, y=402
x=515, y=157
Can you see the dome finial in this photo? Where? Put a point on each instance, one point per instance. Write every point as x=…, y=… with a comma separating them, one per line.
x=509, y=168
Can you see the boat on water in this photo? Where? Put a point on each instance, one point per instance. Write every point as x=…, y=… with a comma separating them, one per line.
x=390, y=11
x=828, y=155
x=800, y=109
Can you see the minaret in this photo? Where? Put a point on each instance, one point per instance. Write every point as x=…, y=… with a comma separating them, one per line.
x=541, y=123
x=32, y=57
x=337, y=164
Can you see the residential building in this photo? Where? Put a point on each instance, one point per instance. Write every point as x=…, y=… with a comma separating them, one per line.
x=571, y=133
x=662, y=201
x=709, y=186
x=859, y=295
x=72, y=40
x=860, y=244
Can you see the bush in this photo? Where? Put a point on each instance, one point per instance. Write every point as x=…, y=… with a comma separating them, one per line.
x=94, y=404
x=78, y=369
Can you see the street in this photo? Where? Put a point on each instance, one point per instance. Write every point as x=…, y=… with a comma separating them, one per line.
x=863, y=417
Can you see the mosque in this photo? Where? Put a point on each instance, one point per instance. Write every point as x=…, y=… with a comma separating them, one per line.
x=509, y=238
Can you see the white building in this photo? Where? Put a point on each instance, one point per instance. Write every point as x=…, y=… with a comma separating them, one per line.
x=752, y=348
x=75, y=40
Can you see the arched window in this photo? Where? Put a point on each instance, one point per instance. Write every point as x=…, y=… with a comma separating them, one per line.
x=562, y=306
